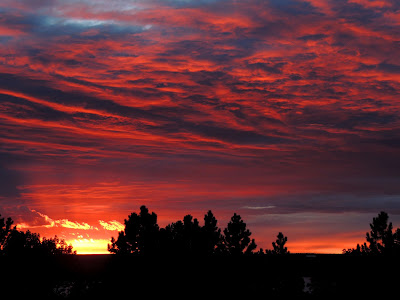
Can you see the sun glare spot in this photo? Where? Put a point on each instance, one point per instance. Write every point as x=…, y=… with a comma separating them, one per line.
x=89, y=246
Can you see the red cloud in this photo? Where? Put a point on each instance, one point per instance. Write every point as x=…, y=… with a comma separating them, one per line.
x=195, y=107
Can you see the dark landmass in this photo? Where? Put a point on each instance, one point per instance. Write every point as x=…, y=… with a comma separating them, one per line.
x=301, y=276
x=186, y=260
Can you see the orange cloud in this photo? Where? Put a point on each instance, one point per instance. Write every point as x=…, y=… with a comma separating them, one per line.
x=50, y=223
x=112, y=225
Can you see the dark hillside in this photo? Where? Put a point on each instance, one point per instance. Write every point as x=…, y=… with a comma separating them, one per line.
x=108, y=276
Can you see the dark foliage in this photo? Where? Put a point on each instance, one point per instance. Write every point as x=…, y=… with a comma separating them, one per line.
x=381, y=239
x=16, y=242
x=140, y=235
x=236, y=239
x=279, y=245
x=5, y=229
x=143, y=236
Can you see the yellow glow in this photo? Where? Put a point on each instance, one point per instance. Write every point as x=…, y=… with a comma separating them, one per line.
x=89, y=246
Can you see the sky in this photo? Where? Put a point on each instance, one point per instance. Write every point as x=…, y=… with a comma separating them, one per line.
x=283, y=111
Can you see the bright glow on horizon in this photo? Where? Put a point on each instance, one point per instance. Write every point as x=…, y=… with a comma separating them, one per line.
x=89, y=246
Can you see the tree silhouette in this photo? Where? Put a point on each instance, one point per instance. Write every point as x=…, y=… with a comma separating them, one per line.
x=181, y=237
x=279, y=245
x=396, y=240
x=192, y=232
x=119, y=245
x=56, y=246
x=381, y=239
x=5, y=229
x=237, y=237
x=211, y=234
x=187, y=237
x=173, y=240
x=28, y=243
x=140, y=235
x=19, y=242
x=13, y=242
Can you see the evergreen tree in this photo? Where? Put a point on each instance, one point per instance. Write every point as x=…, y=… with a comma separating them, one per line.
x=380, y=238
x=140, y=236
x=396, y=240
x=237, y=237
x=191, y=235
x=14, y=241
x=5, y=229
x=279, y=245
x=211, y=234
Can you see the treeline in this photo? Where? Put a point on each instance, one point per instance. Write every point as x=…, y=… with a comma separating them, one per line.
x=143, y=236
x=17, y=242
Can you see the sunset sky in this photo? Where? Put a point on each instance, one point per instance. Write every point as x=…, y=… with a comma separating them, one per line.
x=284, y=111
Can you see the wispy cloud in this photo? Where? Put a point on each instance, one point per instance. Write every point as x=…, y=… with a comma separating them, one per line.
x=112, y=225
x=48, y=222
x=259, y=207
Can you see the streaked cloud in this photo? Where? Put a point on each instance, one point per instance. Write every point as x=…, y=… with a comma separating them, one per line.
x=48, y=222
x=112, y=225
x=259, y=207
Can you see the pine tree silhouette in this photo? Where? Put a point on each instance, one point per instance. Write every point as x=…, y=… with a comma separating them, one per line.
x=279, y=245
x=237, y=237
